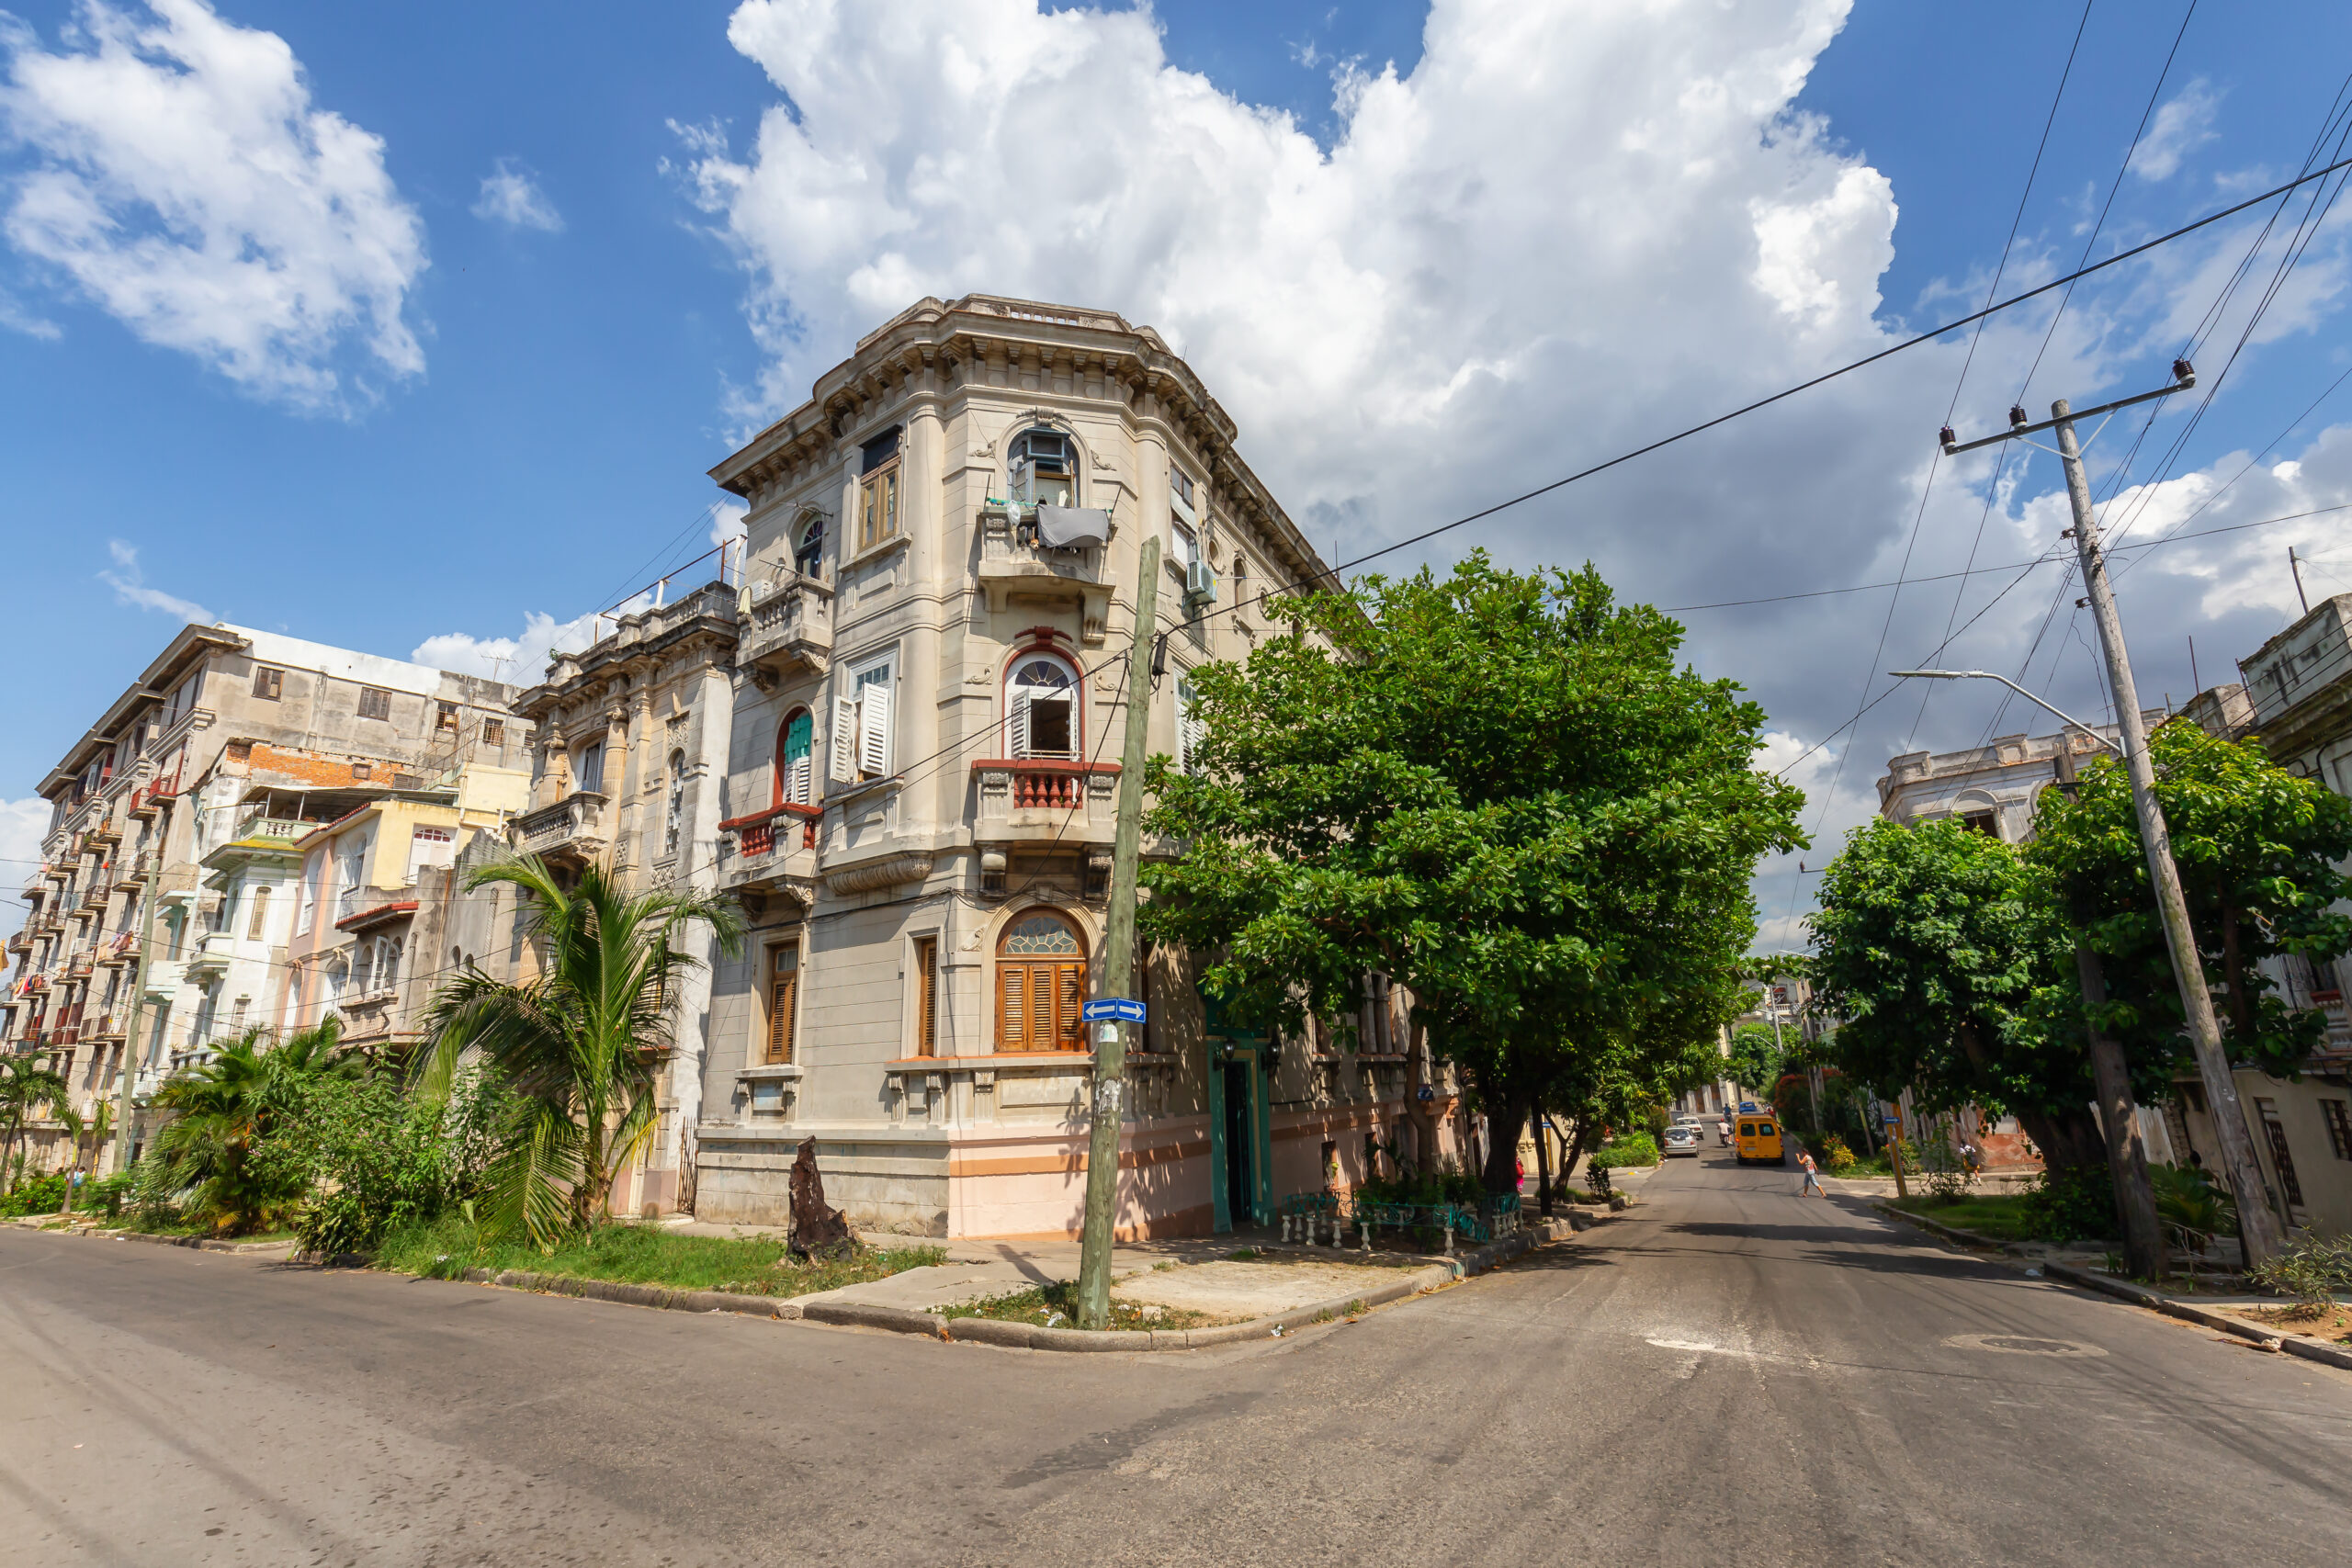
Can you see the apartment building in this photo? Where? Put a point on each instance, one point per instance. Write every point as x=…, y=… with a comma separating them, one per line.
x=132, y=949
x=628, y=748
x=938, y=591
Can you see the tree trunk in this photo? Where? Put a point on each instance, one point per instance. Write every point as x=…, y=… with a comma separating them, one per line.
x=1416, y=1111
x=2127, y=1159
x=1543, y=1170
x=2234, y=976
x=1507, y=1111
x=2069, y=1139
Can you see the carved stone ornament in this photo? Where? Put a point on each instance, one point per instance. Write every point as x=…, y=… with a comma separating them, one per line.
x=907, y=865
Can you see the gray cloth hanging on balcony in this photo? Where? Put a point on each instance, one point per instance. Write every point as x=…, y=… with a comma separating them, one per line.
x=1065, y=527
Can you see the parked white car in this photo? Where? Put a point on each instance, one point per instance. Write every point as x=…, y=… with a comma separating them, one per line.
x=1683, y=1138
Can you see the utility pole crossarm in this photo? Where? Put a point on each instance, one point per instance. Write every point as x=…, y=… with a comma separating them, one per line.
x=2184, y=378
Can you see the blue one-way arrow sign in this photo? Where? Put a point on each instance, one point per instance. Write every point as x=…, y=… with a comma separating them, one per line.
x=1124, y=1008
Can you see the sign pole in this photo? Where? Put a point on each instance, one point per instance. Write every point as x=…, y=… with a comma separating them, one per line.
x=1118, y=962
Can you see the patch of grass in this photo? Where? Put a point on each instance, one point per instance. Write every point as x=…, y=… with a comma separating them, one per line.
x=2003, y=1219
x=1055, y=1305
x=647, y=1254
x=1246, y=1254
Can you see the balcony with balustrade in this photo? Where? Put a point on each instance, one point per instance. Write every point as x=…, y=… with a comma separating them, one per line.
x=772, y=851
x=365, y=908
x=790, y=630
x=1017, y=568
x=1034, y=805
x=574, y=830
x=258, y=827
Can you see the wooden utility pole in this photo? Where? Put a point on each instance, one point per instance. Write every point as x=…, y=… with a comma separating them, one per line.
x=1118, y=964
x=2258, y=1226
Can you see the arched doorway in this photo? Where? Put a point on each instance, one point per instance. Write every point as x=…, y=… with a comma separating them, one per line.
x=1040, y=984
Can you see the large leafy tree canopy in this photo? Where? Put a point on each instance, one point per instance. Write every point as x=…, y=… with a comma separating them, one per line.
x=1498, y=789
x=2258, y=851
x=1938, y=948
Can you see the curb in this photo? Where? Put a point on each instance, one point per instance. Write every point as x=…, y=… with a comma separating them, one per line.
x=2261, y=1336
x=1434, y=1275
x=201, y=1243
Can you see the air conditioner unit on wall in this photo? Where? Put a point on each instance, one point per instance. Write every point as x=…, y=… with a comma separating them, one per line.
x=1200, y=583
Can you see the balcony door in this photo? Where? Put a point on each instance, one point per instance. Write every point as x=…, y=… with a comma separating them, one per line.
x=1040, y=984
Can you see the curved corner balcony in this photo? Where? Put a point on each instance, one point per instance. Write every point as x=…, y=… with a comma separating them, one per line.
x=790, y=630
x=574, y=829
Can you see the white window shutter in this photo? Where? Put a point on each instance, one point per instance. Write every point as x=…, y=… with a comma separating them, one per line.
x=844, y=740
x=798, y=786
x=1188, y=733
x=874, y=729
x=1019, y=722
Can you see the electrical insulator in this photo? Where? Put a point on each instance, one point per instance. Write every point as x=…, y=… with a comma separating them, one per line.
x=2182, y=370
x=2016, y=413
x=1947, y=438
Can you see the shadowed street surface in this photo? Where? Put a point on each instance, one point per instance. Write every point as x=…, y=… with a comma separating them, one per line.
x=1727, y=1374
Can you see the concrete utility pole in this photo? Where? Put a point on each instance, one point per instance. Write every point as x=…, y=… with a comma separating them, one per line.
x=119, y=1158
x=1118, y=962
x=2258, y=1226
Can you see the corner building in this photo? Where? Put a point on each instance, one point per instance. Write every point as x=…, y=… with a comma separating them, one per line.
x=937, y=598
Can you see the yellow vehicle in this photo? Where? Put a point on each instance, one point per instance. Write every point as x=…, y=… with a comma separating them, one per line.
x=1757, y=1138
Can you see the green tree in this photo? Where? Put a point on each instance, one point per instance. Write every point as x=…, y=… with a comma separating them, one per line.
x=224, y=1110
x=1756, y=1058
x=1940, y=948
x=78, y=1127
x=1496, y=788
x=24, y=1082
x=2258, y=851
x=582, y=1044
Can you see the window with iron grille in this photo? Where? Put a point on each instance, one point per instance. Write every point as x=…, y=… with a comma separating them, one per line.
x=2339, y=1127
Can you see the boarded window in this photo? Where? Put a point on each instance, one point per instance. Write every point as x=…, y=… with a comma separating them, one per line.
x=1041, y=985
x=784, y=994
x=375, y=702
x=257, y=924
x=267, y=683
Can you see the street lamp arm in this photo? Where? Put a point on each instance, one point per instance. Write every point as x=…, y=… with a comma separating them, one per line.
x=2020, y=691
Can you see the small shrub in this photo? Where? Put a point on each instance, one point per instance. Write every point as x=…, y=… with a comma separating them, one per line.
x=2069, y=1205
x=1626, y=1149
x=2310, y=1272
x=1834, y=1155
x=41, y=1195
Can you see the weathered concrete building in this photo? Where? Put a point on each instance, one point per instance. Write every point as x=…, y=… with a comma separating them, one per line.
x=628, y=750
x=166, y=777
x=938, y=591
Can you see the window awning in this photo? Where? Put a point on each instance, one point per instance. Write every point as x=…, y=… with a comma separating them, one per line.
x=1064, y=526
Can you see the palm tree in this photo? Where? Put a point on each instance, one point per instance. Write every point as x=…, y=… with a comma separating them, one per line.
x=582, y=1044
x=24, y=1083
x=224, y=1108
x=95, y=1126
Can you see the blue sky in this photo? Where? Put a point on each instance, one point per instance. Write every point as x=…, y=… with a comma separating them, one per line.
x=594, y=244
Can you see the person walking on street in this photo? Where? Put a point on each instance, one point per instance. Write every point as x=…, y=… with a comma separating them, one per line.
x=1811, y=1177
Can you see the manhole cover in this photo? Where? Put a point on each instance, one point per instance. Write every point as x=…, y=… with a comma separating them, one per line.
x=2022, y=1345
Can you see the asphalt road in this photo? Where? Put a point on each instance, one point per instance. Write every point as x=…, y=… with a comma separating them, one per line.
x=1729, y=1375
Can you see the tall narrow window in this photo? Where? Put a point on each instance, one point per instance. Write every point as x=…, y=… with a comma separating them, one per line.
x=387, y=961
x=861, y=741
x=1041, y=708
x=2339, y=1118
x=589, y=777
x=375, y=702
x=877, y=504
x=258, y=923
x=674, y=817
x=1041, y=985
x=793, y=749
x=926, y=995
x=1188, y=726
x=808, y=546
x=784, y=992
x=1044, y=469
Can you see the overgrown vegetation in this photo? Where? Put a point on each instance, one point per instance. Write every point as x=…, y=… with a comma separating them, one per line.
x=1624, y=1149
x=2001, y=1219
x=447, y=1246
x=2070, y=1203
x=2312, y=1272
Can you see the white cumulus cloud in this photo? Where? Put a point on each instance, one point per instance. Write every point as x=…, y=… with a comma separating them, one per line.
x=175, y=170
x=23, y=824
x=511, y=195
x=1567, y=232
x=129, y=585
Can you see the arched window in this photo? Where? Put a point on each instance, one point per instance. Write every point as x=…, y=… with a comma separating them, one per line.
x=1040, y=984
x=1045, y=468
x=1041, y=707
x=673, y=820
x=808, y=544
x=794, y=779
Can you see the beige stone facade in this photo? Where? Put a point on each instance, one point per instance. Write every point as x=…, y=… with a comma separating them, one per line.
x=920, y=786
